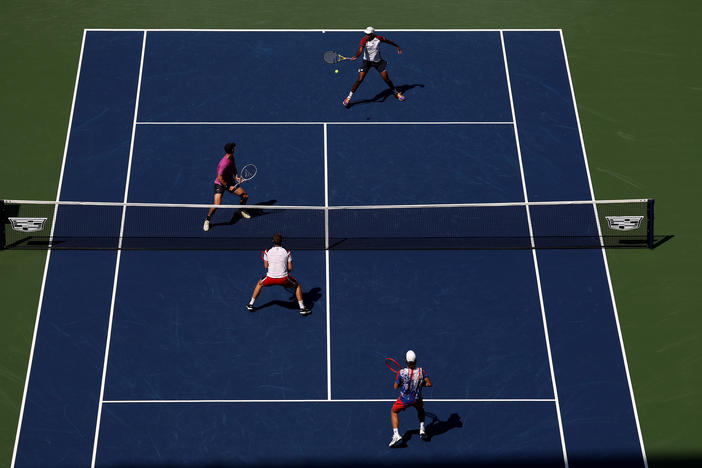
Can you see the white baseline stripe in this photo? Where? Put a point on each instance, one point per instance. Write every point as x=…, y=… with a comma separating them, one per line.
x=48, y=255
x=364, y=400
x=320, y=30
x=535, y=259
x=606, y=263
x=119, y=256
x=327, y=123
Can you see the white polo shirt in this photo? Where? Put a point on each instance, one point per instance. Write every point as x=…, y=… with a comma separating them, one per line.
x=277, y=258
x=371, y=49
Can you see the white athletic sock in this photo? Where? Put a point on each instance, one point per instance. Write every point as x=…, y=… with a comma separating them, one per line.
x=350, y=94
x=302, y=304
x=252, y=301
x=396, y=431
x=421, y=426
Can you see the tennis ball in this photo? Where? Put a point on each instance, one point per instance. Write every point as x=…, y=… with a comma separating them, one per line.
x=336, y=71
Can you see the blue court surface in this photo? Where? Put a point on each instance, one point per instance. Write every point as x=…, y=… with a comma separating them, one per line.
x=149, y=358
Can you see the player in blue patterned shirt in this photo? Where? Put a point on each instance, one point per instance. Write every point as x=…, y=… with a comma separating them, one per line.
x=410, y=381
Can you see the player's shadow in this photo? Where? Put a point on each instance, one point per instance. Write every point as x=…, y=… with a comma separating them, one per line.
x=309, y=298
x=255, y=213
x=435, y=428
x=383, y=95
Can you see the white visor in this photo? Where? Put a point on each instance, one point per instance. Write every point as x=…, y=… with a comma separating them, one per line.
x=410, y=356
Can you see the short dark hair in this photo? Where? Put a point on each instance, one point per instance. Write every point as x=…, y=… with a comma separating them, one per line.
x=229, y=147
x=277, y=239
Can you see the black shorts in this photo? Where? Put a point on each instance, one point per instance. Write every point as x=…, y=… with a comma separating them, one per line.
x=220, y=188
x=367, y=65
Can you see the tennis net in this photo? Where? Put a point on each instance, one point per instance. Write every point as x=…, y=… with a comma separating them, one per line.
x=29, y=224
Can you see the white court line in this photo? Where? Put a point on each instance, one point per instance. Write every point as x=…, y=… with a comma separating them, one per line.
x=604, y=258
x=535, y=259
x=336, y=207
x=119, y=256
x=48, y=256
x=326, y=259
x=331, y=123
x=320, y=30
x=340, y=400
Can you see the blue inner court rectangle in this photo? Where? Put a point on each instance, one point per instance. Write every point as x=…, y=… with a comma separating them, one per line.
x=151, y=358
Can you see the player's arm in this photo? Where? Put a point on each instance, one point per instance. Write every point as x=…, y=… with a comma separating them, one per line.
x=265, y=264
x=237, y=178
x=427, y=382
x=358, y=53
x=388, y=41
x=289, y=266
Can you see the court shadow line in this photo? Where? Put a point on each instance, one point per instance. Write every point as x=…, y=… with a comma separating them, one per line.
x=309, y=298
x=236, y=217
x=435, y=428
x=383, y=95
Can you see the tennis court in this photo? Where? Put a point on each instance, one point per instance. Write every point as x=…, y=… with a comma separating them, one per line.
x=149, y=358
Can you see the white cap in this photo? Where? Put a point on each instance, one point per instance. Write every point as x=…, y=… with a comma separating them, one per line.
x=410, y=356
x=369, y=30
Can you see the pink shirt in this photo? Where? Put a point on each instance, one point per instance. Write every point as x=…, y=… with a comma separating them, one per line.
x=225, y=168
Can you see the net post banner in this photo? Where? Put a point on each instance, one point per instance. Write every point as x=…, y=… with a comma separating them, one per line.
x=2, y=224
x=649, y=213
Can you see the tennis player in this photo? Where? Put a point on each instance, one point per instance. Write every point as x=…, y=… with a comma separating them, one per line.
x=370, y=48
x=278, y=262
x=227, y=176
x=410, y=381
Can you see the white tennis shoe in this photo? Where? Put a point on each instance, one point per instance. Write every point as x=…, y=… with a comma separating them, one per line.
x=245, y=214
x=396, y=439
x=206, y=226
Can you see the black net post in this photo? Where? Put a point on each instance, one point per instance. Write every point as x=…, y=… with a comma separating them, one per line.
x=3, y=222
x=649, y=212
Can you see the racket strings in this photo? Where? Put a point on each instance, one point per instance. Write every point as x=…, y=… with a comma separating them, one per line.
x=331, y=56
x=248, y=172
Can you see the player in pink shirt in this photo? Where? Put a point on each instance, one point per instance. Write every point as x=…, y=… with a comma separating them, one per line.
x=226, y=180
x=370, y=48
x=410, y=381
x=278, y=262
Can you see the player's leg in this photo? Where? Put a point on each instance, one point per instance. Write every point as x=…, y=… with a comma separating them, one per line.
x=217, y=201
x=421, y=415
x=304, y=310
x=384, y=73
x=243, y=198
x=256, y=292
x=395, y=421
x=361, y=75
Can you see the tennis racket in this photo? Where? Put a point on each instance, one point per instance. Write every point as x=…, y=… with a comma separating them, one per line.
x=393, y=365
x=333, y=57
x=247, y=172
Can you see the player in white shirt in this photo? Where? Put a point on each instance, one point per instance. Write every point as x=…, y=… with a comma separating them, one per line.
x=370, y=48
x=278, y=262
